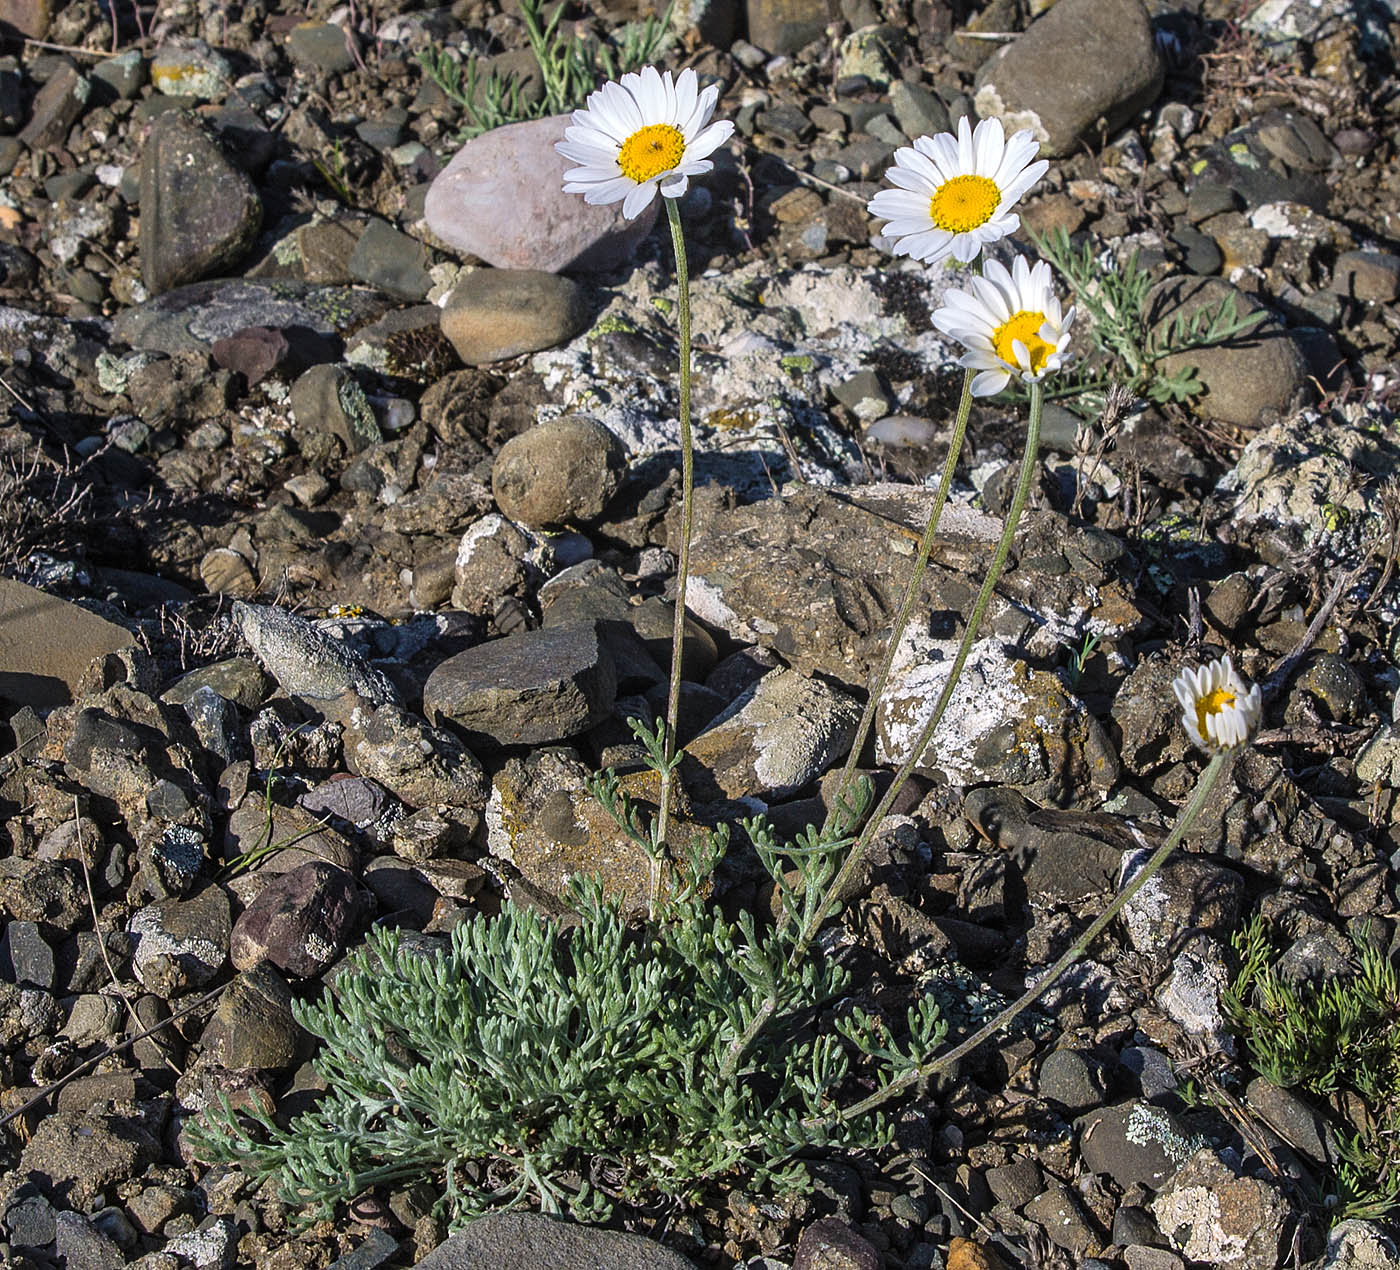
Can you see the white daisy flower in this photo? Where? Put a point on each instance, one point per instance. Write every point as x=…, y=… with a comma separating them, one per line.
x=955, y=194
x=1010, y=322
x=646, y=133
x=1218, y=711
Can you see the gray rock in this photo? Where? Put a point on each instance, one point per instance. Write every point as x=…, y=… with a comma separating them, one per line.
x=123, y=74
x=78, y=1154
x=532, y=1239
x=298, y=922
x=517, y=167
x=1135, y=1143
x=1192, y=993
x=25, y=1013
x=919, y=110
x=1005, y=720
x=1359, y=1245
x=192, y=319
x=1084, y=62
x=526, y=689
x=781, y=735
x=44, y=891
x=426, y=767
x=1212, y=1216
x=209, y=1247
x=328, y=397
x=30, y=1221
x=1292, y=1119
x=216, y=724
x=495, y=314
x=1072, y=1079
x=55, y=109
x=25, y=957
x=252, y=1026
x=1063, y=1219
x=81, y=1246
x=1141, y=1257
x=392, y=261
x=1016, y=1183
x=1371, y=276
x=186, y=67
x=784, y=26
x=562, y=471
x=199, y=213
x=1063, y=856
x=1187, y=893
x=1259, y=371
x=377, y=1248
x=498, y=558
x=321, y=46
x=307, y=662
x=254, y=829
x=181, y=944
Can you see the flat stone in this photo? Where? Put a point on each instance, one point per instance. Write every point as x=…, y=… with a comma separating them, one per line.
x=1187, y=893
x=517, y=167
x=388, y=259
x=186, y=67
x=495, y=314
x=321, y=46
x=784, y=26
x=199, y=213
x=561, y=471
x=532, y=1239
x=28, y=17
x=238, y=679
x=307, y=662
x=55, y=110
x=1063, y=1219
x=527, y=689
x=191, y=319
x=1083, y=62
x=47, y=644
x=1371, y=276
x=1214, y=1217
x=781, y=735
x=328, y=397
x=1135, y=1143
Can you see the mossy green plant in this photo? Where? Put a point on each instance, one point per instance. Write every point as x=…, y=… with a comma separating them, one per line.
x=1329, y=1040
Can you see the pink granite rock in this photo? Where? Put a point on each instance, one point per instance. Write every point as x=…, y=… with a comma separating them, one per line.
x=502, y=199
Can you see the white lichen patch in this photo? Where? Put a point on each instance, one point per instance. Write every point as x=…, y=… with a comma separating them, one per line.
x=988, y=694
x=767, y=352
x=1191, y=996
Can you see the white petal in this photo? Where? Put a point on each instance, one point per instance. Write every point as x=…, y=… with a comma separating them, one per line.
x=989, y=382
x=637, y=200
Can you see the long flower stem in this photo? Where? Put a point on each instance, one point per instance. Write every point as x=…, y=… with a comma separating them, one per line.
x=673, y=696
x=834, y=893
x=911, y=594
x=946, y=1061
x=1029, y=462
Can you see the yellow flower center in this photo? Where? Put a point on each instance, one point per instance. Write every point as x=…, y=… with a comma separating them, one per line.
x=1024, y=326
x=1212, y=703
x=964, y=203
x=650, y=151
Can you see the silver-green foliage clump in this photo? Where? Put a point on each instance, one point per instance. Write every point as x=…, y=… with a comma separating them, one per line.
x=573, y=1065
x=1331, y=1040
x=571, y=67
x=1116, y=303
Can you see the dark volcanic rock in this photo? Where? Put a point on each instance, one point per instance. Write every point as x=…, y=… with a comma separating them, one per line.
x=526, y=689
x=298, y=922
x=199, y=213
